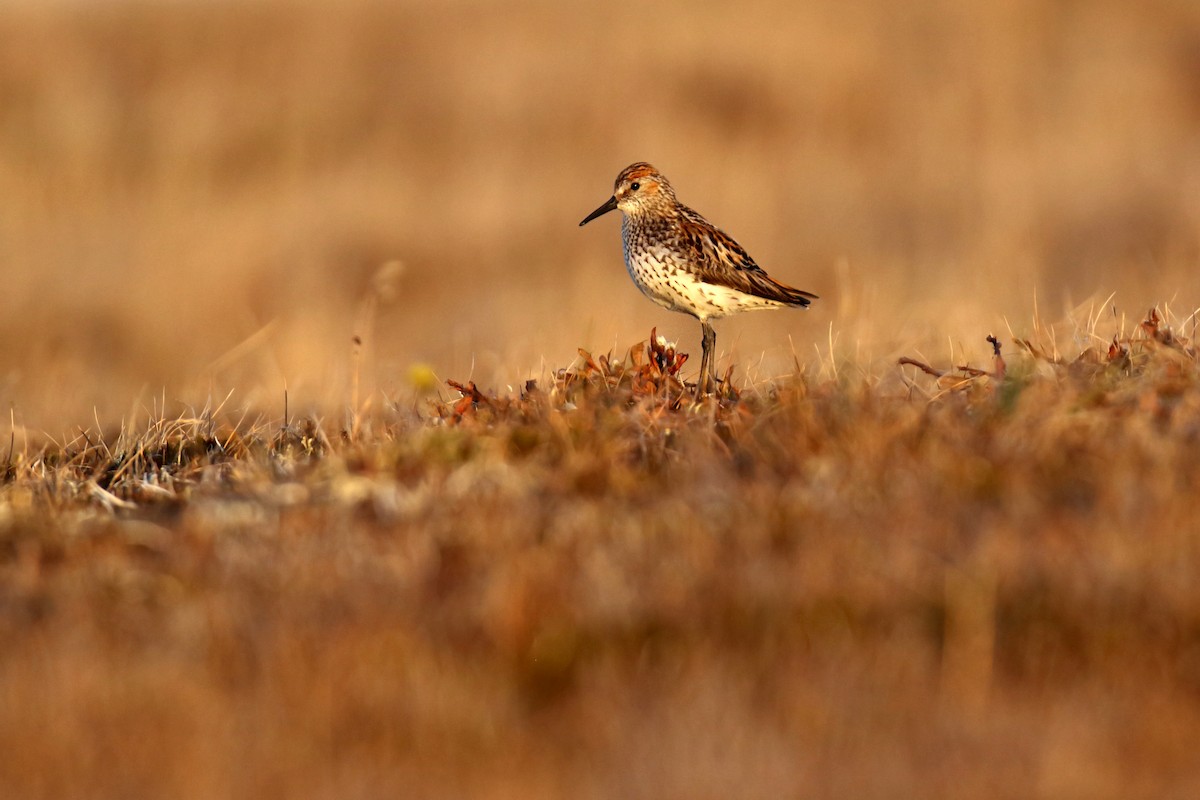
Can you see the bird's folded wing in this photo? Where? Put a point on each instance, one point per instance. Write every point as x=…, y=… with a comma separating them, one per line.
x=720, y=260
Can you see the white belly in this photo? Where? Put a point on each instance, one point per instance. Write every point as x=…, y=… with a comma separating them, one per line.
x=660, y=276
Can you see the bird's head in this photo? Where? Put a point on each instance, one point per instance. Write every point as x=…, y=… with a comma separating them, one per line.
x=639, y=189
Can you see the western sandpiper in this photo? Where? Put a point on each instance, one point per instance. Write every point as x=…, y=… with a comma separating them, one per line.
x=683, y=262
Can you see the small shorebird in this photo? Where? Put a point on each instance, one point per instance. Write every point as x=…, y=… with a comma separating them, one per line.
x=683, y=262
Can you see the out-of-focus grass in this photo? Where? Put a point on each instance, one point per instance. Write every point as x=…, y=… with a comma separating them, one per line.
x=197, y=195
x=983, y=585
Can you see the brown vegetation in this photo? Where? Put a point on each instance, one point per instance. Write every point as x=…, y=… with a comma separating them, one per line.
x=984, y=586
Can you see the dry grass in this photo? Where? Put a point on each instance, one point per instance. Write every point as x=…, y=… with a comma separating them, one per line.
x=247, y=550
x=981, y=586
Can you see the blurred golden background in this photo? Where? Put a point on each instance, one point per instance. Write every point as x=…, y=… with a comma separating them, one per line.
x=198, y=197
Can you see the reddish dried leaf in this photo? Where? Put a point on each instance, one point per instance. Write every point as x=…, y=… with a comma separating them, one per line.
x=1117, y=351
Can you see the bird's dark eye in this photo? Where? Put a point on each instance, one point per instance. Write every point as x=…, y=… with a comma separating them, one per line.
x=635, y=186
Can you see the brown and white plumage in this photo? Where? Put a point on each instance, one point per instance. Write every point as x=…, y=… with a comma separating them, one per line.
x=685, y=263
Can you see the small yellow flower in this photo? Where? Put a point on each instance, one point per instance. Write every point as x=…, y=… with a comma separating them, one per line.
x=422, y=378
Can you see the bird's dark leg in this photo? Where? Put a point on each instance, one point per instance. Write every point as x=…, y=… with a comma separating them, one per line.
x=712, y=358
x=708, y=366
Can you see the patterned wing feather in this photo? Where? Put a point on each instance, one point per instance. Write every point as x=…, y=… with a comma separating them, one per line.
x=721, y=260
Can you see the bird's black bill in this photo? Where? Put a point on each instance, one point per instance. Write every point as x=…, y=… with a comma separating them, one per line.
x=604, y=209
